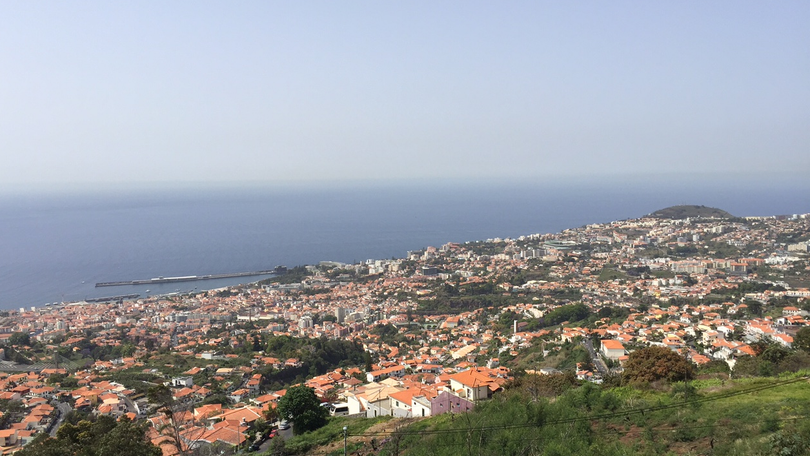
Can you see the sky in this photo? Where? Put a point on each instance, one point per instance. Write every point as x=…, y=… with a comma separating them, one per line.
x=150, y=92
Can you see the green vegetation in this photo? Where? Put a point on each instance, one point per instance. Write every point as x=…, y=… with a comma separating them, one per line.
x=690, y=211
x=570, y=313
x=650, y=410
x=137, y=381
x=459, y=304
x=315, y=356
x=563, y=357
x=331, y=432
x=773, y=360
x=303, y=408
x=455, y=298
x=103, y=437
x=537, y=386
x=747, y=287
x=609, y=273
x=19, y=338
x=738, y=418
x=802, y=339
x=389, y=334
x=656, y=363
x=294, y=275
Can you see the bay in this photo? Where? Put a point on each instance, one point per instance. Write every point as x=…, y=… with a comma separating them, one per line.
x=54, y=246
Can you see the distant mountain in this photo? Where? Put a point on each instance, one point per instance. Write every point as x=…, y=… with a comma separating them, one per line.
x=690, y=211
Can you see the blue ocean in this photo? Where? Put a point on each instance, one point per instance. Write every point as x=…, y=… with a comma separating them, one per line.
x=54, y=246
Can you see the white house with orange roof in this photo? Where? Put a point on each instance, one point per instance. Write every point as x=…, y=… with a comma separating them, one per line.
x=792, y=311
x=377, y=375
x=402, y=402
x=470, y=384
x=612, y=349
x=783, y=339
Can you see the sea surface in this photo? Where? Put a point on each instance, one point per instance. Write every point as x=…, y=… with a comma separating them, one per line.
x=54, y=246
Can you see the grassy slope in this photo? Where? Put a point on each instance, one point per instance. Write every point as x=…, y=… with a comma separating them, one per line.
x=332, y=432
x=607, y=422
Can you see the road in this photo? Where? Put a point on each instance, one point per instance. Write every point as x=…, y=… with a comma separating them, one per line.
x=285, y=434
x=597, y=360
x=64, y=409
x=131, y=406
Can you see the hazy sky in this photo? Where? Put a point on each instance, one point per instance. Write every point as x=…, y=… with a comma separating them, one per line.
x=99, y=91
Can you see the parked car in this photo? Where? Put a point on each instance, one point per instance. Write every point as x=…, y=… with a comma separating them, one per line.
x=283, y=425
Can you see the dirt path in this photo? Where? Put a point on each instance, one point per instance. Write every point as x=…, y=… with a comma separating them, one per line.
x=368, y=447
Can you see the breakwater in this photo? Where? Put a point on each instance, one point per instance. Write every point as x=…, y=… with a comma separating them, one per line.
x=112, y=298
x=192, y=278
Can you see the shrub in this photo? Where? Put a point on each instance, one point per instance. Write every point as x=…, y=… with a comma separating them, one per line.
x=656, y=363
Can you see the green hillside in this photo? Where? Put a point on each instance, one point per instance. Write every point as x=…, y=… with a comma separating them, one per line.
x=719, y=417
x=690, y=211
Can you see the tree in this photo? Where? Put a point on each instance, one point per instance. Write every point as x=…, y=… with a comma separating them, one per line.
x=277, y=448
x=270, y=415
x=738, y=333
x=755, y=308
x=367, y=361
x=126, y=438
x=752, y=366
x=775, y=353
x=571, y=313
x=802, y=339
x=656, y=363
x=715, y=366
x=175, y=418
x=537, y=386
x=302, y=407
x=19, y=338
x=794, y=362
x=105, y=437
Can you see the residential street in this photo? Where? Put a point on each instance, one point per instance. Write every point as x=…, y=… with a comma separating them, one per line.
x=64, y=408
x=597, y=360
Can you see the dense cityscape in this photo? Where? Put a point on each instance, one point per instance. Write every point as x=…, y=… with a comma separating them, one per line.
x=438, y=331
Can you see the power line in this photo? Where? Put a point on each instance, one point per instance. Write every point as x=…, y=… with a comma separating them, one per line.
x=325, y=452
x=669, y=429
x=622, y=413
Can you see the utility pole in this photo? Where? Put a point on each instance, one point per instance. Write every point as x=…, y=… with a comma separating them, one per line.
x=345, y=432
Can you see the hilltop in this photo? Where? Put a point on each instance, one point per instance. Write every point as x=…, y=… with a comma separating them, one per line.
x=689, y=211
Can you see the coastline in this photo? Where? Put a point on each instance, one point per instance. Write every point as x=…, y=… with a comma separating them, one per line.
x=58, y=248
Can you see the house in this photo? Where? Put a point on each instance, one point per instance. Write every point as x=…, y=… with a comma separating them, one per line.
x=420, y=406
x=245, y=415
x=228, y=432
x=790, y=311
x=206, y=411
x=374, y=400
x=470, y=384
x=447, y=402
x=179, y=382
x=254, y=383
x=402, y=402
x=783, y=339
x=377, y=375
x=612, y=349
x=239, y=395
x=8, y=437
